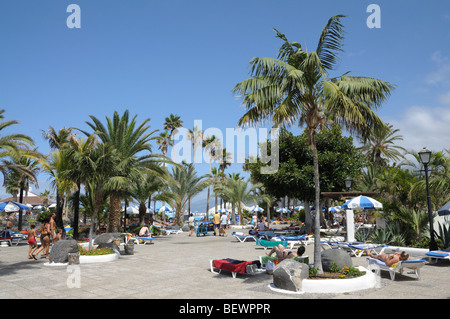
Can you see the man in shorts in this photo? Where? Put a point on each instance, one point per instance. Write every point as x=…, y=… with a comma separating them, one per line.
x=216, y=222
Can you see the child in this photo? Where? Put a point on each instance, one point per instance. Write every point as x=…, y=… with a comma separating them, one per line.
x=32, y=242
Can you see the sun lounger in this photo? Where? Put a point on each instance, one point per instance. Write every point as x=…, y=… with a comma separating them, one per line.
x=293, y=240
x=144, y=240
x=435, y=255
x=270, y=243
x=173, y=231
x=377, y=265
x=358, y=249
x=243, y=237
x=235, y=266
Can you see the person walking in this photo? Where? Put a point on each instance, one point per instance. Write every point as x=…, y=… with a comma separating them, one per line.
x=216, y=222
x=223, y=224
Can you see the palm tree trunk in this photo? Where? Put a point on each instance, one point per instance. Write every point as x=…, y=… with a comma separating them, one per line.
x=317, y=256
x=76, y=211
x=114, y=213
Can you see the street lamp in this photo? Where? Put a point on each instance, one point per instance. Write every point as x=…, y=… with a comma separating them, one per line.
x=425, y=156
x=348, y=184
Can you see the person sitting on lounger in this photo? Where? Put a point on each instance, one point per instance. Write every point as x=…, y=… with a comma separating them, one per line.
x=283, y=253
x=144, y=232
x=390, y=259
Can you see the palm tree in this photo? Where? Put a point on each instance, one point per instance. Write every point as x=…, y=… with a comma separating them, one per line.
x=24, y=170
x=211, y=144
x=240, y=192
x=183, y=184
x=296, y=88
x=12, y=145
x=130, y=152
x=196, y=136
x=80, y=169
x=54, y=165
x=172, y=122
x=142, y=190
x=58, y=139
x=379, y=146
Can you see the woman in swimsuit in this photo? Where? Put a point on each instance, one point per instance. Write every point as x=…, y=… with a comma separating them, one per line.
x=32, y=242
x=45, y=238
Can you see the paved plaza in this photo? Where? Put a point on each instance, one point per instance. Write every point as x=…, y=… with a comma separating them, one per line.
x=177, y=267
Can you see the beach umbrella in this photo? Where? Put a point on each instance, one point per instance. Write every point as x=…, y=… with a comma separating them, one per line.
x=52, y=206
x=11, y=206
x=165, y=209
x=256, y=209
x=283, y=210
x=223, y=210
x=335, y=209
x=362, y=202
x=132, y=210
x=67, y=228
x=299, y=207
x=445, y=210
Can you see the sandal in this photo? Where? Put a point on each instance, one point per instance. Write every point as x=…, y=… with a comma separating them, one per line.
x=34, y=257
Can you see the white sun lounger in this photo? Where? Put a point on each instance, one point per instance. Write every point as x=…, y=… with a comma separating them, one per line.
x=242, y=237
x=377, y=265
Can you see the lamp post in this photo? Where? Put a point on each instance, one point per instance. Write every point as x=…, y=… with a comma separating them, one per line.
x=425, y=156
x=348, y=184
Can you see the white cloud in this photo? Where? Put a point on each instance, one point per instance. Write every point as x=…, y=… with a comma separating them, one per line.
x=423, y=126
x=442, y=74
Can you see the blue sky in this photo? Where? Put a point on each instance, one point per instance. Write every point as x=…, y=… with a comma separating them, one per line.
x=159, y=57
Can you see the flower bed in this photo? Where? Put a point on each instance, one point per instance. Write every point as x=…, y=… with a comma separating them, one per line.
x=96, y=255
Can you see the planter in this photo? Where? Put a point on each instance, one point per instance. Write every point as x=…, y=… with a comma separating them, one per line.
x=98, y=258
x=367, y=281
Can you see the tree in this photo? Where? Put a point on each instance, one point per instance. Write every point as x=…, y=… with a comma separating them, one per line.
x=240, y=192
x=130, y=152
x=182, y=185
x=172, y=122
x=81, y=167
x=379, y=146
x=211, y=145
x=296, y=88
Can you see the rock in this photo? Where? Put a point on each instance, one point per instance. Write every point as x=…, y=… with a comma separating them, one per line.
x=338, y=256
x=107, y=238
x=61, y=249
x=185, y=228
x=288, y=275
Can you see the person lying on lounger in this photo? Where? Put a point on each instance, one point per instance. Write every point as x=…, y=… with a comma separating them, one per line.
x=283, y=253
x=391, y=258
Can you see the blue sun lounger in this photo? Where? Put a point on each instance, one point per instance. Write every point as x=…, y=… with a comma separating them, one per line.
x=434, y=255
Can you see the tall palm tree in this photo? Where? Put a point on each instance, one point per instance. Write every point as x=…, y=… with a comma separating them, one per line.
x=211, y=144
x=196, y=136
x=80, y=169
x=130, y=151
x=171, y=123
x=296, y=88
